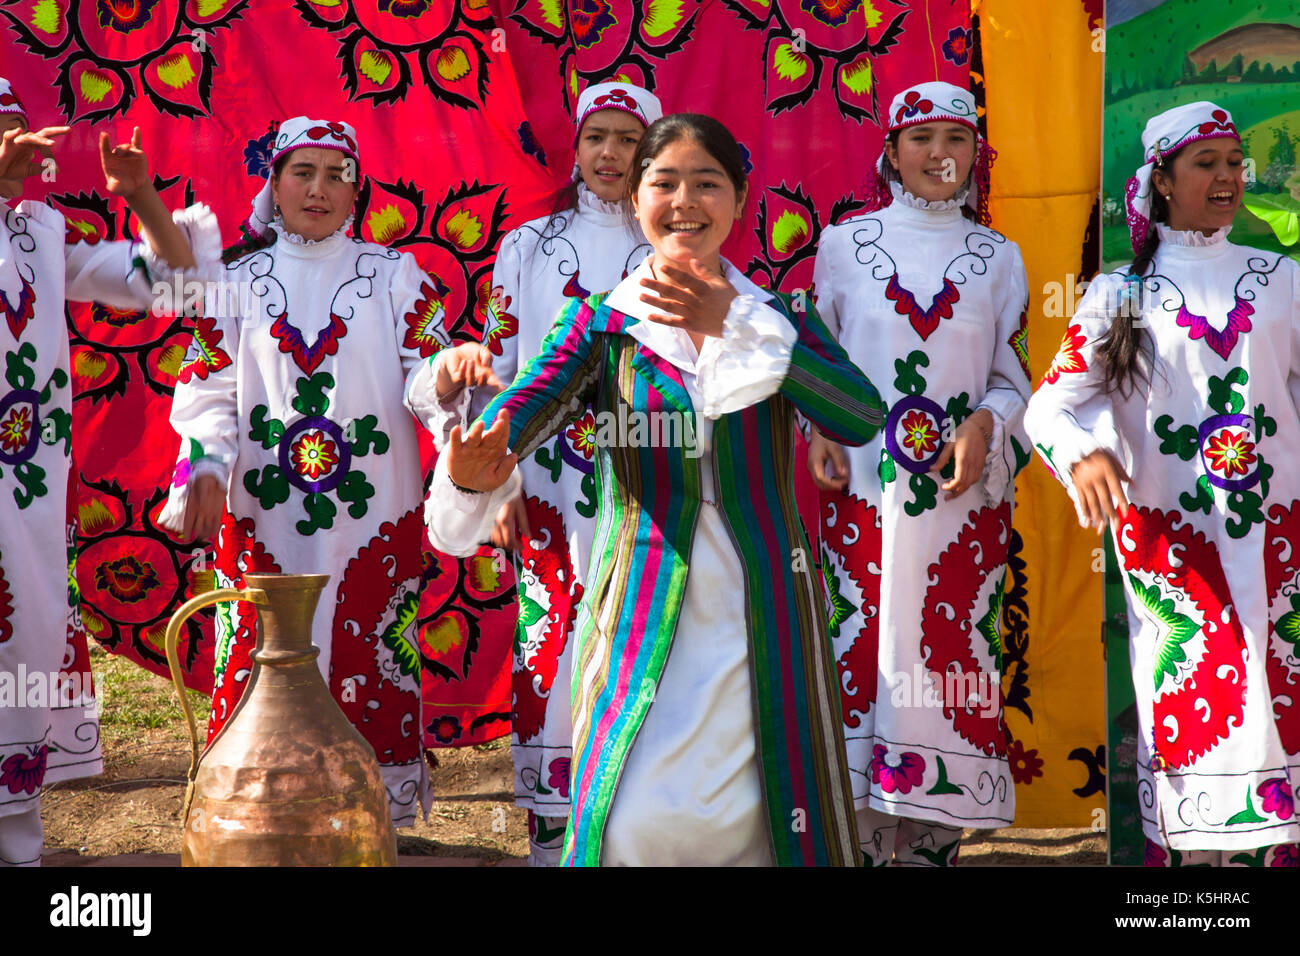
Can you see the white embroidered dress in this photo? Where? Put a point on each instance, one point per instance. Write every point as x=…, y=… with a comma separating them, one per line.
x=48, y=729
x=292, y=396
x=1210, y=550
x=931, y=307
x=539, y=267
x=690, y=792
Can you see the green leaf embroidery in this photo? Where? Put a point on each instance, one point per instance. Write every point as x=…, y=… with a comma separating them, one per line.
x=909, y=381
x=887, y=470
x=394, y=636
x=942, y=786
x=1223, y=397
x=1182, y=442
x=530, y=612
x=1247, y=815
x=990, y=626
x=1178, y=629
x=1288, y=625
x=841, y=608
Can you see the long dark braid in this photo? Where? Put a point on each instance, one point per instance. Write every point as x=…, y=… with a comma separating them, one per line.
x=1122, y=347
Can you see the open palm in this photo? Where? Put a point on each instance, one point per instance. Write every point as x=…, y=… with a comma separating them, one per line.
x=481, y=460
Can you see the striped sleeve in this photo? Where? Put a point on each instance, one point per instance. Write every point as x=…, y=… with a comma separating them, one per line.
x=826, y=386
x=552, y=389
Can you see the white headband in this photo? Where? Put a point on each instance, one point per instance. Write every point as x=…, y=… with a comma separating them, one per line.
x=939, y=102
x=1164, y=134
x=639, y=102
x=295, y=133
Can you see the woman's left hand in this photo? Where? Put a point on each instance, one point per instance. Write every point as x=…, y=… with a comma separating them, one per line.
x=969, y=447
x=126, y=168
x=696, y=301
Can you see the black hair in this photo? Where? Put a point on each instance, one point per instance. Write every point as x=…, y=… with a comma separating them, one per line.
x=713, y=137
x=1125, y=343
x=251, y=242
x=890, y=174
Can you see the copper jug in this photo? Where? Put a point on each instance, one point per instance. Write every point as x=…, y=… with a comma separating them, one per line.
x=287, y=781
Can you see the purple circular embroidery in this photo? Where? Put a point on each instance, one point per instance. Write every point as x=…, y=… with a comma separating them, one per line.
x=20, y=403
x=933, y=415
x=326, y=482
x=1219, y=462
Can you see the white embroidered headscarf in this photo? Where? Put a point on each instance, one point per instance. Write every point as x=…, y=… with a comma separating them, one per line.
x=1164, y=134
x=292, y=134
x=627, y=97
x=938, y=102
x=9, y=101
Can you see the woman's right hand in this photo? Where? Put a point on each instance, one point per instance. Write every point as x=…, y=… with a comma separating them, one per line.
x=482, y=460
x=204, y=506
x=1098, y=485
x=822, y=452
x=470, y=365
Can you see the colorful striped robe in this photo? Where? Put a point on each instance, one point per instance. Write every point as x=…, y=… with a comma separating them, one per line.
x=650, y=498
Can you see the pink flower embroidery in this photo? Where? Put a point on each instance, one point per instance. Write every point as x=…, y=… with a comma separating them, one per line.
x=23, y=773
x=1277, y=797
x=901, y=777
x=559, y=778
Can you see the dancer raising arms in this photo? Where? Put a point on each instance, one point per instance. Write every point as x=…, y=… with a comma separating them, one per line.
x=56, y=736
x=704, y=698
x=931, y=305
x=1170, y=414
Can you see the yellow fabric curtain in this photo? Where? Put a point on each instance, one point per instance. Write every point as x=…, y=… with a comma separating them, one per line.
x=1043, y=83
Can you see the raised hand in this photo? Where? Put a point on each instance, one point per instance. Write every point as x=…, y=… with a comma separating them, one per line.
x=482, y=460
x=696, y=301
x=126, y=168
x=469, y=365
x=19, y=150
x=1098, y=486
x=828, y=463
x=969, y=447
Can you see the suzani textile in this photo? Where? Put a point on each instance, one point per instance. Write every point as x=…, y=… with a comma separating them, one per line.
x=464, y=109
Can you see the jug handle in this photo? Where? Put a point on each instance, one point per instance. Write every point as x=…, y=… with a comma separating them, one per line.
x=183, y=613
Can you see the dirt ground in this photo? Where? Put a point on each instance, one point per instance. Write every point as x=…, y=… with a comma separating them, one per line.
x=133, y=807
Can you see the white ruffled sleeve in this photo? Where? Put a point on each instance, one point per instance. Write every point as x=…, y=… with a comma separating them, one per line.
x=1008, y=387
x=1071, y=415
x=749, y=362
x=205, y=410
x=458, y=521
x=422, y=399
x=199, y=224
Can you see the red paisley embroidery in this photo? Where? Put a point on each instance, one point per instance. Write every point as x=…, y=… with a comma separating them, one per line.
x=958, y=576
x=553, y=568
x=1281, y=566
x=1207, y=705
x=855, y=538
x=383, y=571
x=238, y=551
